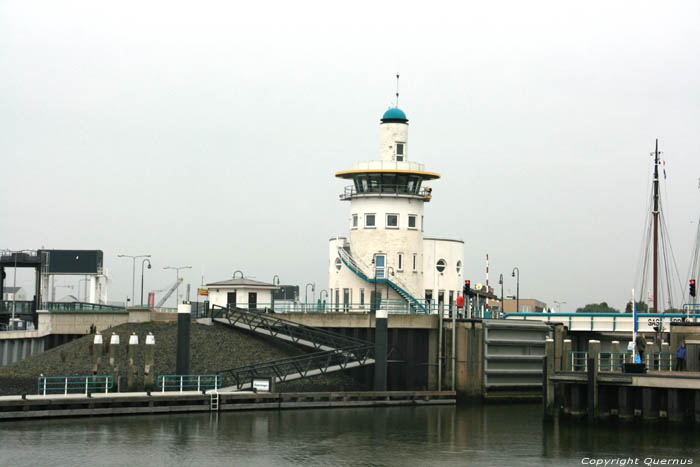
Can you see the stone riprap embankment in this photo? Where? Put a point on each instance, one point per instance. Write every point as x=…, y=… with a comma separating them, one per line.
x=212, y=348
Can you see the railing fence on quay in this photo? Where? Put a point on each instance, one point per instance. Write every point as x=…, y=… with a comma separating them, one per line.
x=615, y=361
x=188, y=382
x=74, y=384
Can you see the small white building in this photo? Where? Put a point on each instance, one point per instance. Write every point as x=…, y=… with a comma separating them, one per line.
x=386, y=252
x=243, y=293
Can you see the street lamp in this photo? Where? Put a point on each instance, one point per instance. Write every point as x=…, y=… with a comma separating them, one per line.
x=306, y=292
x=559, y=304
x=517, y=289
x=133, y=272
x=149, y=267
x=177, y=278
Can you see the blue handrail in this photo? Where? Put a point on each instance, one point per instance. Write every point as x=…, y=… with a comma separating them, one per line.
x=396, y=287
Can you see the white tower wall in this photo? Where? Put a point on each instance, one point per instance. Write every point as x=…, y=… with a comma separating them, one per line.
x=389, y=135
x=449, y=280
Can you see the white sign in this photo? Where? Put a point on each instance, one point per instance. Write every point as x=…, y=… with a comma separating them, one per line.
x=261, y=385
x=630, y=345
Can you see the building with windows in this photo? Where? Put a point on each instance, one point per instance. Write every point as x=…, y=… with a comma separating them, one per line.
x=242, y=293
x=386, y=260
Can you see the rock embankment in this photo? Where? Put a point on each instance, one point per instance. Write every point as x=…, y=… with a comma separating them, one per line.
x=212, y=349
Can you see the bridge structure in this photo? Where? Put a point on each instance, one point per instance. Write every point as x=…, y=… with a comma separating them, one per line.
x=612, y=322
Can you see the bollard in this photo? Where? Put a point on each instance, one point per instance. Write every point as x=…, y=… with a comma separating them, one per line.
x=148, y=367
x=182, y=359
x=114, y=359
x=97, y=349
x=132, y=373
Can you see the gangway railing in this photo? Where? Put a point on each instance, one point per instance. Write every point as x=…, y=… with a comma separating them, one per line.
x=271, y=325
x=74, y=384
x=302, y=366
x=188, y=382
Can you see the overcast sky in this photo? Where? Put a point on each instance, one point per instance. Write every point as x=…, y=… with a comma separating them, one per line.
x=207, y=134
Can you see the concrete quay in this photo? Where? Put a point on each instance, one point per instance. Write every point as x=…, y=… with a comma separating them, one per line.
x=100, y=404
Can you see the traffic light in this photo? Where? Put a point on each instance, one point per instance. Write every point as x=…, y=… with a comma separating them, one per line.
x=692, y=287
x=467, y=290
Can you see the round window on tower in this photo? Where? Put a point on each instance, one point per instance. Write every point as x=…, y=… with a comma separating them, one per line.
x=459, y=266
x=441, y=265
x=338, y=264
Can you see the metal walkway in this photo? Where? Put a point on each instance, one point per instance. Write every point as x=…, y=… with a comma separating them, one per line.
x=335, y=352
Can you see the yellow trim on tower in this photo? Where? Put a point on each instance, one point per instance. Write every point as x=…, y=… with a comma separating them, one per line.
x=423, y=174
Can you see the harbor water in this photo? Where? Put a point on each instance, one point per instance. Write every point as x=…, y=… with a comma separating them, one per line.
x=493, y=435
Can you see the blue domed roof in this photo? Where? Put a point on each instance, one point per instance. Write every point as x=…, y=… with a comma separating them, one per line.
x=394, y=114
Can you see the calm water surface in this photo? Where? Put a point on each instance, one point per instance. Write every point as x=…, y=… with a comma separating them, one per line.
x=494, y=435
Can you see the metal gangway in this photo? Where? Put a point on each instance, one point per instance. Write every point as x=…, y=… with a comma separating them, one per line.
x=333, y=351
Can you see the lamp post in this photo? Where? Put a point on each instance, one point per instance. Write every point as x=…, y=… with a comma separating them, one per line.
x=177, y=278
x=500, y=281
x=559, y=304
x=146, y=260
x=133, y=272
x=517, y=289
x=306, y=292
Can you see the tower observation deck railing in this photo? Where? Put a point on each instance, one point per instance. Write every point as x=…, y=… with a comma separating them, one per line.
x=386, y=190
x=359, y=268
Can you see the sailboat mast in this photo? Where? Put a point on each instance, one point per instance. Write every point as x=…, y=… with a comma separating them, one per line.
x=655, y=212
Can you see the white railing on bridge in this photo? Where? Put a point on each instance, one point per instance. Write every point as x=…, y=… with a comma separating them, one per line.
x=612, y=322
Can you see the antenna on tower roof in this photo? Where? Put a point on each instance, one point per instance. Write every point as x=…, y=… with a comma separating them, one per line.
x=397, y=90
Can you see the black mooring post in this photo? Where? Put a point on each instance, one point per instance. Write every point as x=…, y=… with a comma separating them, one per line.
x=380, y=349
x=182, y=362
x=590, y=396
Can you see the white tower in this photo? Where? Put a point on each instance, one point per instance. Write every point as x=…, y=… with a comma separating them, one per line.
x=384, y=254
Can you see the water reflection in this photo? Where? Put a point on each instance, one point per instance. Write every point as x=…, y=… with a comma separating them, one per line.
x=473, y=435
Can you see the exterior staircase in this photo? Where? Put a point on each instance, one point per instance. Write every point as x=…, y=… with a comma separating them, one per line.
x=360, y=269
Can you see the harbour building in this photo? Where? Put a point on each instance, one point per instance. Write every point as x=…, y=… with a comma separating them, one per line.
x=386, y=261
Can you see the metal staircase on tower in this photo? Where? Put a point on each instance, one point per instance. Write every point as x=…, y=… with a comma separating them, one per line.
x=357, y=267
x=334, y=352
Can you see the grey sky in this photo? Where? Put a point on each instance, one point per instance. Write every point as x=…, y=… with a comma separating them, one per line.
x=208, y=133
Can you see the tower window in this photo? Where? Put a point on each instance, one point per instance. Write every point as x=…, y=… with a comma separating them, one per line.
x=392, y=221
x=369, y=221
x=399, y=151
x=411, y=221
x=354, y=221
x=399, y=262
x=338, y=264
x=415, y=262
x=459, y=266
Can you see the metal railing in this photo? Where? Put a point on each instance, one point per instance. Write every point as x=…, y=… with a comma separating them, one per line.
x=81, y=306
x=616, y=322
x=615, y=361
x=271, y=325
x=74, y=384
x=188, y=382
x=301, y=366
x=383, y=189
